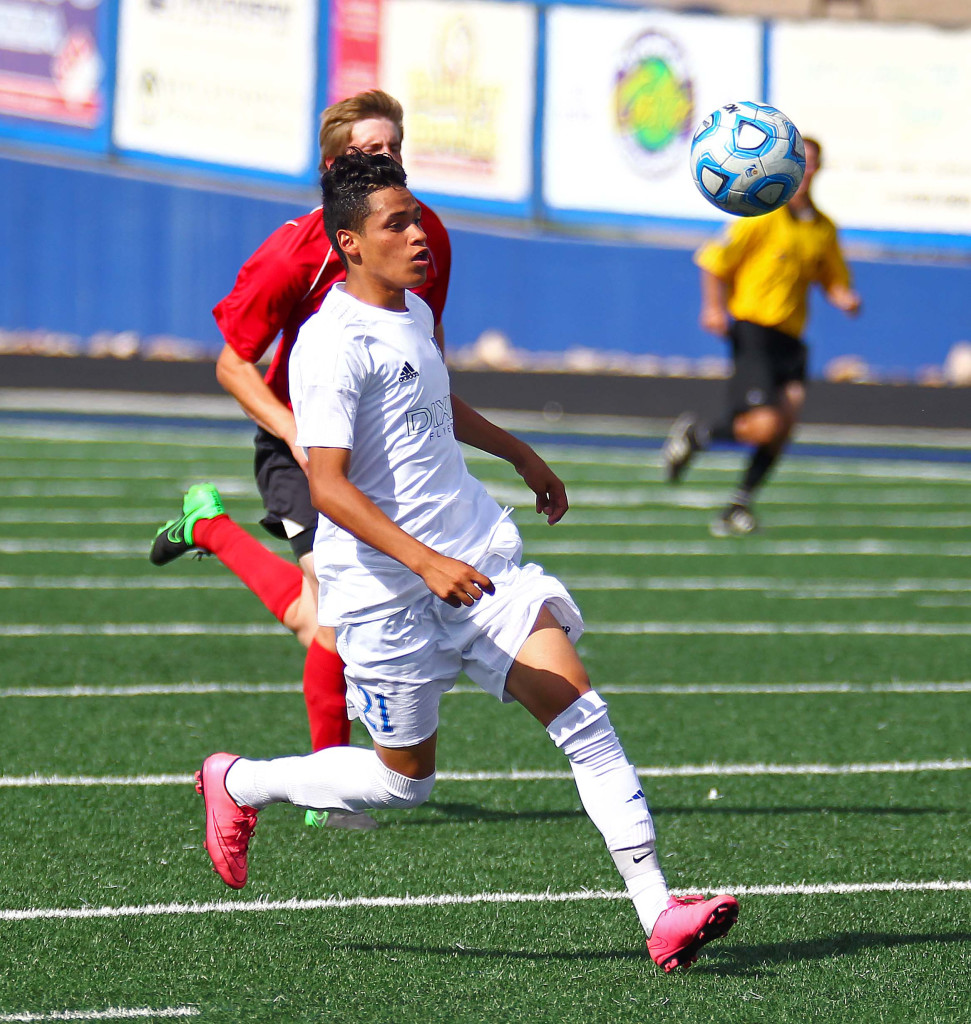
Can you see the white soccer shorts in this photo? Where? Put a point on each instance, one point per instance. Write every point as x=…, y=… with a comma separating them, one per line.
x=397, y=668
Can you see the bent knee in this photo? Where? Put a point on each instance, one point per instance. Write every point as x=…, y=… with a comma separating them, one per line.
x=763, y=425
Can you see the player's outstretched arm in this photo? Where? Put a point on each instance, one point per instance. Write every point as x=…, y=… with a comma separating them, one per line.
x=844, y=298
x=450, y=579
x=474, y=429
x=714, y=304
x=244, y=382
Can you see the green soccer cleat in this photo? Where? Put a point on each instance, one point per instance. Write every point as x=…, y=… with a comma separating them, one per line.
x=356, y=821
x=201, y=501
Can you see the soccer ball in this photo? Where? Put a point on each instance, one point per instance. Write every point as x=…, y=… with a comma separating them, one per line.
x=747, y=158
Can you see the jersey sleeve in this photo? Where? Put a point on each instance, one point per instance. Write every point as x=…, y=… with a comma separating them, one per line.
x=326, y=382
x=268, y=286
x=441, y=249
x=833, y=269
x=723, y=254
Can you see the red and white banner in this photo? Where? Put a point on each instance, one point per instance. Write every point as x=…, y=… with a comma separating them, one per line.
x=353, y=53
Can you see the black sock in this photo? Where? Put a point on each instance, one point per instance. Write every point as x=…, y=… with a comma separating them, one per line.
x=763, y=459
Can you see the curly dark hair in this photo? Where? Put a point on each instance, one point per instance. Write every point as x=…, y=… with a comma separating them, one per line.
x=347, y=186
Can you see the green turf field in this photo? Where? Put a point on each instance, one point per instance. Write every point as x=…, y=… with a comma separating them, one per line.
x=798, y=704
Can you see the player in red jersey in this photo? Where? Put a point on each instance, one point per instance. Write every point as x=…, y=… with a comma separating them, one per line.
x=278, y=288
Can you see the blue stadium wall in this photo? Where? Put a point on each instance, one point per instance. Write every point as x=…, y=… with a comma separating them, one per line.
x=83, y=250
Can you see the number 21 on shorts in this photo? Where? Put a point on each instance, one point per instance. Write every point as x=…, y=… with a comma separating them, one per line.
x=376, y=705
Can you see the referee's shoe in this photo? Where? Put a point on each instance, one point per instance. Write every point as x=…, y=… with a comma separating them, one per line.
x=734, y=520
x=680, y=446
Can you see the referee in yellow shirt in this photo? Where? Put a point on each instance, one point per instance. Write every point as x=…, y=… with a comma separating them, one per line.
x=754, y=283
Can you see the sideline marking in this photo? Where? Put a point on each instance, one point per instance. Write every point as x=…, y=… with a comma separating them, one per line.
x=687, y=771
x=896, y=629
x=637, y=689
x=235, y=426
x=450, y=899
x=112, y=1013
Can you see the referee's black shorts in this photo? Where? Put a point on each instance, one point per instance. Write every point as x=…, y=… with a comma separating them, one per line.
x=290, y=515
x=765, y=361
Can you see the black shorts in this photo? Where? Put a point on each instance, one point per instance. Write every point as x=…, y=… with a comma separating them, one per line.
x=765, y=361
x=286, y=493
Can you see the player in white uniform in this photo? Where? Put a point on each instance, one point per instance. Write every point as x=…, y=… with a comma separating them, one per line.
x=420, y=575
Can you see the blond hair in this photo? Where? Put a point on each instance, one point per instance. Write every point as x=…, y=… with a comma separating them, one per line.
x=338, y=120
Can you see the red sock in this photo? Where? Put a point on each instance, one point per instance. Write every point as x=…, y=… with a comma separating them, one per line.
x=323, y=690
x=275, y=581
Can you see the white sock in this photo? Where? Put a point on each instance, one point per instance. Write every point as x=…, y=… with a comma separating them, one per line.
x=345, y=778
x=611, y=794
x=642, y=874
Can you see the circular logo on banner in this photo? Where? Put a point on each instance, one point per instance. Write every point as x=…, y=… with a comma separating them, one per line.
x=654, y=103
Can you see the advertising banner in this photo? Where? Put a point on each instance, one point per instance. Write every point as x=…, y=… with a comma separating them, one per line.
x=218, y=82
x=464, y=71
x=52, y=63
x=354, y=42
x=624, y=93
x=890, y=104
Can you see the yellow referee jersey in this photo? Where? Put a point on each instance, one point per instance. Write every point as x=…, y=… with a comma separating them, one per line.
x=769, y=263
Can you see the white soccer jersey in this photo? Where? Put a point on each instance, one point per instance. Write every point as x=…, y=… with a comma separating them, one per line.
x=374, y=381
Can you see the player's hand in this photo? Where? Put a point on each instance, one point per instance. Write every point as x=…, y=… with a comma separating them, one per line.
x=845, y=299
x=714, y=319
x=551, y=500
x=454, y=581
x=300, y=456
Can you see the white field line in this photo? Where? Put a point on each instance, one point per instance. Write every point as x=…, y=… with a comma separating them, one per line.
x=644, y=471
x=106, y=516
x=779, y=628
x=753, y=546
x=897, y=629
x=585, y=496
x=112, y=1013
x=456, y=899
x=505, y=491
x=135, y=474
x=158, y=581
x=601, y=549
x=117, y=629
x=464, y=689
x=806, y=470
x=681, y=517
x=162, y=489
x=821, y=588
x=687, y=771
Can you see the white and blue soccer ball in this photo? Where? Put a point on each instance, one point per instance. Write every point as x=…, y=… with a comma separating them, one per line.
x=747, y=158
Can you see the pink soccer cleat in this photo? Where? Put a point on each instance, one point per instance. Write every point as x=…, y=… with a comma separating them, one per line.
x=687, y=925
x=228, y=826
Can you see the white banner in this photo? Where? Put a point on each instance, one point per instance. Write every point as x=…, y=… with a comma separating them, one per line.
x=218, y=81
x=624, y=93
x=891, y=106
x=464, y=71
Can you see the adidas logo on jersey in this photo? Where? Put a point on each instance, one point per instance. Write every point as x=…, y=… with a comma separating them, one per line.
x=408, y=372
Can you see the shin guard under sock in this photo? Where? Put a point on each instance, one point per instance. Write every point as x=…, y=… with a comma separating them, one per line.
x=274, y=580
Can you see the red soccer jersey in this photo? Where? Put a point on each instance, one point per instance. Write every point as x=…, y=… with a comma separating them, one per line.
x=284, y=282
